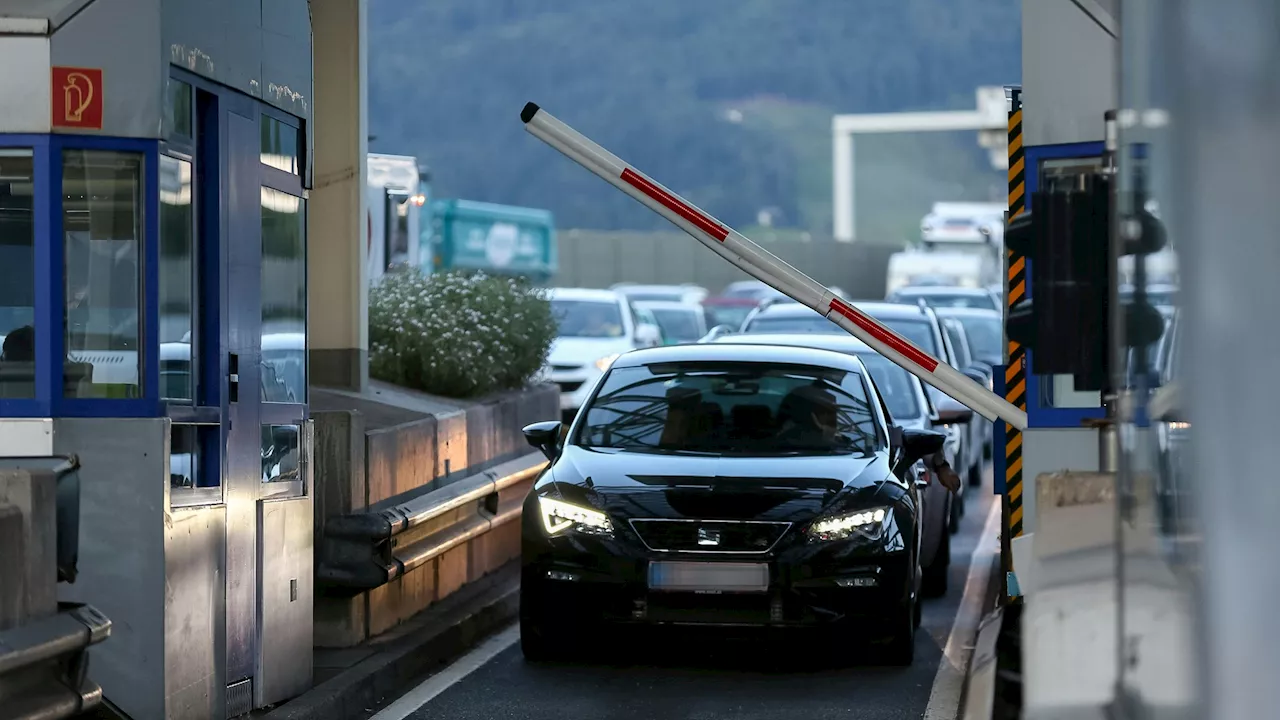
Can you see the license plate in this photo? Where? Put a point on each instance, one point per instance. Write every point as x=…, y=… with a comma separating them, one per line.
x=708, y=577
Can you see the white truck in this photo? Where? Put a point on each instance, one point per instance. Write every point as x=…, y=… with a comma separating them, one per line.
x=396, y=192
x=961, y=244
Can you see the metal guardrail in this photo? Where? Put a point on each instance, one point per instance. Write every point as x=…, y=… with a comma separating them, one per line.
x=44, y=644
x=362, y=551
x=54, y=650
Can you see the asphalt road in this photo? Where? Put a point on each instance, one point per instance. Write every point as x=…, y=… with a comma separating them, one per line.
x=690, y=676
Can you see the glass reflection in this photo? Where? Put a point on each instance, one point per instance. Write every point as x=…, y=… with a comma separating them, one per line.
x=177, y=279
x=184, y=456
x=280, y=453
x=17, y=276
x=280, y=145
x=284, y=298
x=101, y=224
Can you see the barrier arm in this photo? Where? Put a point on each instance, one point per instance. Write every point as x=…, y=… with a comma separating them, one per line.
x=767, y=267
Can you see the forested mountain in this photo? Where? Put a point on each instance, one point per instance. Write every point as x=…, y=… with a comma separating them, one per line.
x=726, y=101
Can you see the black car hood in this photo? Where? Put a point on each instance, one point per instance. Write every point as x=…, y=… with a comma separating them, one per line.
x=658, y=485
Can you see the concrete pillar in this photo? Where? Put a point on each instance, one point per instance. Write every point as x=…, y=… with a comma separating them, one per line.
x=1226, y=148
x=337, y=214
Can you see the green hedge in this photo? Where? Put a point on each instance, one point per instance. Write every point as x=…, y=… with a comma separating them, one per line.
x=457, y=334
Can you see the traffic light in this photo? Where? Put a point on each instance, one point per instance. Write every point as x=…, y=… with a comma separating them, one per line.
x=1064, y=321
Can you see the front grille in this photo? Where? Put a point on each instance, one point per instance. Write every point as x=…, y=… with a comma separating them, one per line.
x=709, y=536
x=566, y=368
x=569, y=387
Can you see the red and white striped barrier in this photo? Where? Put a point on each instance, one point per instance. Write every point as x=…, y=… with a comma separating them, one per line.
x=767, y=267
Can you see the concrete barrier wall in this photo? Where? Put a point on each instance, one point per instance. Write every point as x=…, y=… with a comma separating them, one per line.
x=599, y=258
x=359, y=469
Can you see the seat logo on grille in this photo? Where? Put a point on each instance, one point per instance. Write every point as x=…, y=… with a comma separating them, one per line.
x=707, y=536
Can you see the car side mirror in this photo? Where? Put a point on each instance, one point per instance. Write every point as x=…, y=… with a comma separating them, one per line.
x=919, y=444
x=648, y=335
x=975, y=375
x=952, y=412
x=545, y=436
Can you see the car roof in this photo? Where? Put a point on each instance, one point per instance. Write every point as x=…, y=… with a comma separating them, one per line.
x=834, y=341
x=583, y=294
x=657, y=287
x=741, y=352
x=668, y=305
x=959, y=312
x=877, y=309
x=940, y=290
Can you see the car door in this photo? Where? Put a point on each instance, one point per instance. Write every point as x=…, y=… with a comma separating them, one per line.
x=928, y=507
x=964, y=358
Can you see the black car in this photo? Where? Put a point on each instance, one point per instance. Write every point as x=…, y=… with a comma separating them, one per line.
x=729, y=485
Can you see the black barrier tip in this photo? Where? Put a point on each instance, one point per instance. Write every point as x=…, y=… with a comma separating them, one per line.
x=530, y=109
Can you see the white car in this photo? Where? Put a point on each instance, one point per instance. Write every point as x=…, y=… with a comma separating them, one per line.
x=596, y=326
x=635, y=292
x=680, y=322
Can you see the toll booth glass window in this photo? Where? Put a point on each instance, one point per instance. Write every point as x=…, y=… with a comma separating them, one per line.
x=17, y=275
x=177, y=280
x=280, y=453
x=181, y=118
x=102, y=243
x=284, y=298
x=281, y=145
x=397, y=228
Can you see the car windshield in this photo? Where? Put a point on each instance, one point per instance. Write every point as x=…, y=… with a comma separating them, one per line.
x=587, y=318
x=896, y=386
x=731, y=315
x=655, y=296
x=679, y=325
x=985, y=335
x=958, y=300
x=735, y=408
x=814, y=323
x=917, y=332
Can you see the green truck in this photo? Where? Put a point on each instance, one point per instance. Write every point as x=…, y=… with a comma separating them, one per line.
x=498, y=239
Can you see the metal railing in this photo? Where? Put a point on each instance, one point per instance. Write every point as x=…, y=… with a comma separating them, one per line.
x=362, y=551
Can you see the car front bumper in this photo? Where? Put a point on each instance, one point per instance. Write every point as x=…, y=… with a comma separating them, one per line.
x=579, y=580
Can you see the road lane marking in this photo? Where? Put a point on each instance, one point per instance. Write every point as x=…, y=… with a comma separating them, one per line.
x=424, y=693
x=948, y=683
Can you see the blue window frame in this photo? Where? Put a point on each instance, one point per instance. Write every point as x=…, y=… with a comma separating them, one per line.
x=50, y=278
x=1040, y=412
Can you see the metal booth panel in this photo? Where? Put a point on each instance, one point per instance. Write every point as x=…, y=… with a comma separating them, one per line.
x=284, y=592
x=123, y=507
x=195, y=612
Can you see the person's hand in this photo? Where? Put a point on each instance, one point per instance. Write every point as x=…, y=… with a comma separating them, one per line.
x=949, y=479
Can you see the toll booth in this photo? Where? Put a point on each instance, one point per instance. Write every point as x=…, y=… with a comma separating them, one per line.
x=154, y=166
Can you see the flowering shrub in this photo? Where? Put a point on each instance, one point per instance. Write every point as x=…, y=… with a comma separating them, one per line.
x=457, y=334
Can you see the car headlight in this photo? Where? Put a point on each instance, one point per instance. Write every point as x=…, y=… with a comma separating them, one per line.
x=867, y=523
x=559, y=516
x=604, y=362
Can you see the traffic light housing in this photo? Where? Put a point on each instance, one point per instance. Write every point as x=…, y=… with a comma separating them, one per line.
x=1065, y=319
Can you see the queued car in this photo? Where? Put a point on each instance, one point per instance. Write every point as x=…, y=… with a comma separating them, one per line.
x=594, y=328
x=948, y=296
x=636, y=292
x=717, y=484
x=984, y=329
x=917, y=323
x=908, y=404
x=680, y=322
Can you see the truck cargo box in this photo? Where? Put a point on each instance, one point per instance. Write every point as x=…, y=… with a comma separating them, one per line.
x=498, y=239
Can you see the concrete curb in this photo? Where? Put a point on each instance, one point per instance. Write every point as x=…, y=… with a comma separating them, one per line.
x=412, y=651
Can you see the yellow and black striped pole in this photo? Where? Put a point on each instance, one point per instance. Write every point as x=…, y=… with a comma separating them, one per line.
x=1015, y=382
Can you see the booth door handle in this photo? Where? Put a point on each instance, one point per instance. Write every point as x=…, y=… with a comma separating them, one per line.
x=233, y=377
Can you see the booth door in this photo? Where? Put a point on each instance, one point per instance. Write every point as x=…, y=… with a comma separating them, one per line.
x=269, y=518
